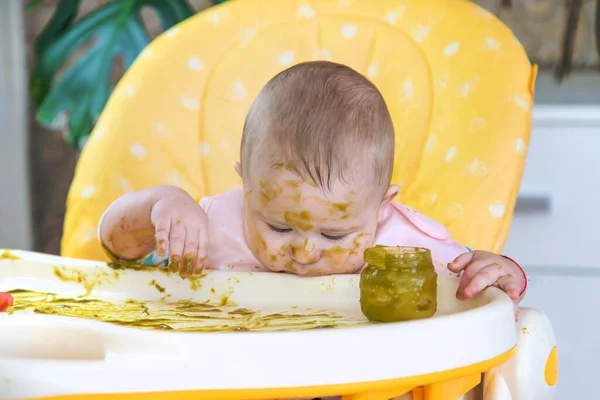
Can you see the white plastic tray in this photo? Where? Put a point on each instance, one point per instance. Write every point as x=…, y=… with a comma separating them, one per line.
x=43, y=355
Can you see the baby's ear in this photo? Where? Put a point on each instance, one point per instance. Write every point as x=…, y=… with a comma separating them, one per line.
x=390, y=194
x=238, y=168
x=388, y=197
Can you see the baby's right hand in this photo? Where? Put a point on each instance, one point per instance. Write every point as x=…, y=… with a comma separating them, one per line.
x=181, y=227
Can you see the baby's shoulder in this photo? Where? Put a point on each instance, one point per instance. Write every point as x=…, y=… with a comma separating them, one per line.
x=400, y=214
x=404, y=226
x=229, y=202
x=400, y=220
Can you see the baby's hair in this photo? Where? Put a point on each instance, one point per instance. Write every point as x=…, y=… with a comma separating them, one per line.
x=324, y=120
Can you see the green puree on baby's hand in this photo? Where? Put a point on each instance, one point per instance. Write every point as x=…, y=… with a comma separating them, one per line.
x=398, y=284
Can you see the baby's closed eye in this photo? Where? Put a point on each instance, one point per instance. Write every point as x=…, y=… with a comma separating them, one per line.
x=279, y=229
x=329, y=236
x=334, y=237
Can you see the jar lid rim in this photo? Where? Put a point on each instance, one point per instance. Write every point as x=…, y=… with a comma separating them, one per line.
x=383, y=254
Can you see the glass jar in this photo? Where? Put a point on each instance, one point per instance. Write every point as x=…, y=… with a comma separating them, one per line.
x=398, y=284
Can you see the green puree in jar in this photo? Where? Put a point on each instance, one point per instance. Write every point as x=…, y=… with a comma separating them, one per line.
x=398, y=284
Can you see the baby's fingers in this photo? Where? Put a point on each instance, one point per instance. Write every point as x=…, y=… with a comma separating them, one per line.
x=190, y=252
x=162, y=228
x=510, y=286
x=468, y=273
x=485, y=277
x=461, y=262
x=176, y=245
x=202, y=250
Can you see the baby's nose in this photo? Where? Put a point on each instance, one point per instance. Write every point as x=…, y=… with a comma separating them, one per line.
x=305, y=253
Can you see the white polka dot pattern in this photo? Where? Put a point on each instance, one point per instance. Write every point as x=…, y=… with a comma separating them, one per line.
x=451, y=49
x=195, y=64
x=450, y=154
x=349, y=31
x=306, y=11
x=286, y=58
x=87, y=192
x=372, y=70
x=138, y=151
x=497, y=209
x=237, y=91
x=190, y=103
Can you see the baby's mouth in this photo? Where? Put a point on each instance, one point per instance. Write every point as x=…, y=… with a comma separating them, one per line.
x=306, y=269
x=299, y=265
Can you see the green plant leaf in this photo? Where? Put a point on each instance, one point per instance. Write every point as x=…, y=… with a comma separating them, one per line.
x=33, y=5
x=76, y=99
x=41, y=77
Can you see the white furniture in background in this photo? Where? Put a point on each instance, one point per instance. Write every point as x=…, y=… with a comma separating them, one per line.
x=555, y=235
x=557, y=218
x=570, y=297
x=15, y=219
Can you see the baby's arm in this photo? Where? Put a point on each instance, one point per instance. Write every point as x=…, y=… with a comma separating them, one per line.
x=161, y=218
x=126, y=229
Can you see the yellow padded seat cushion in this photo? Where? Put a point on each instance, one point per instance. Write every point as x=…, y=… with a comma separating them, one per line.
x=457, y=82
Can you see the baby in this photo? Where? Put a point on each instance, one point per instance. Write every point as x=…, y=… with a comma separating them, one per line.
x=316, y=163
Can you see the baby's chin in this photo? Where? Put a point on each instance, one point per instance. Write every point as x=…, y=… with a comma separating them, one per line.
x=312, y=271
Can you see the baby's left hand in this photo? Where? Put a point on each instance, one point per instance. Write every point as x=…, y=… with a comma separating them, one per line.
x=481, y=269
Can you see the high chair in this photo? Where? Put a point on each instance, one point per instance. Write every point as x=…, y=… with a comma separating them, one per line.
x=459, y=87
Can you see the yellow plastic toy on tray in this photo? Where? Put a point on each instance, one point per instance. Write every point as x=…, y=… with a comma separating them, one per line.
x=457, y=83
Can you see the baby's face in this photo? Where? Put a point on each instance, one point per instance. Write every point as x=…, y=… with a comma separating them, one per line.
x=293, y=226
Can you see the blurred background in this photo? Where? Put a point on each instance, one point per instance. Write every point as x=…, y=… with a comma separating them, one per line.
x=554, y=233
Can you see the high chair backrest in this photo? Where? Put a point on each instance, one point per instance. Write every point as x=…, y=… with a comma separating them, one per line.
x=457, y=82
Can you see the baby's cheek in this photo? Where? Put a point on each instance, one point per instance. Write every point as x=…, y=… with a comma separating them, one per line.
x=347, y=258
x=275, y=256
x=336, y=256
x=261, y=244
x=339, y=260
x=360, y=243
x=256, y=242
x=356, y=261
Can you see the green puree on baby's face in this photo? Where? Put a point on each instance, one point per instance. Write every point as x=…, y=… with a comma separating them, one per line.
x=398, y=284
